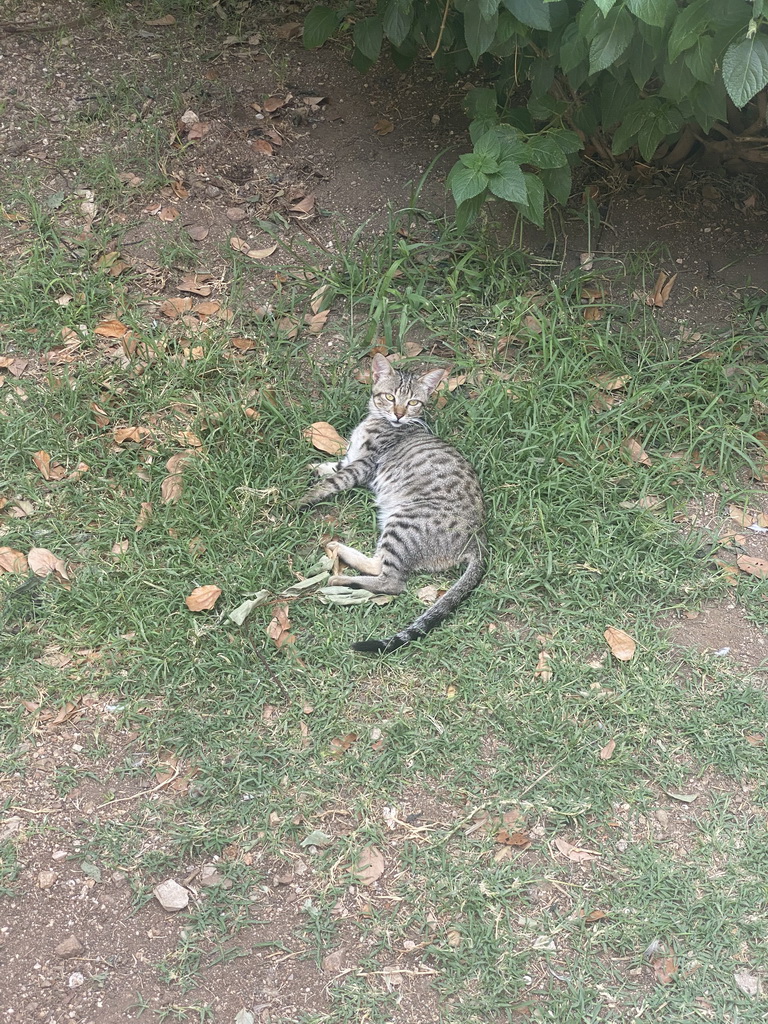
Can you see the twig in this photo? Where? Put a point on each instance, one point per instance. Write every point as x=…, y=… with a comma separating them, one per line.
x=271, y=672
x=442, y=28
x=537, y=781
x=145, y=792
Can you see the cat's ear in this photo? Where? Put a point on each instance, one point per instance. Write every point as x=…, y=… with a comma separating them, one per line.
x=381, y=367
x=432, y=379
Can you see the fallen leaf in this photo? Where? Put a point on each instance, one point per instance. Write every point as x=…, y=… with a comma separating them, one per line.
x=110, y=329
x=134, y=434
x=203, y=598
x=748, y=983
x=168, y=214
x=316, y=321
x=316, y=302
x=621, y=644
x=610, y=382
x=754, y=566
x=383, y=126
x=683, y=798
x=43, y=562
x=197, y=284
x=428, y=594
x=518, y=840
x=101, y=418
x=340, y=744
x=198, y=131
x=754, y=739
x=662, y=289
x=325, y=438
x=595, y=915
x=120, y=547
x=543, y=670
x=243, y=344
x=262, y=146
x=636, y=451
x=574, y=853
x=606, y=752
x=274, y=103
x=279, y=628
x=144, y=516
x=166, y=19
x=173, y=308
x=288, y=30
x=209, y=307
x=370, y=866
x=198, y=232
x=13, y=561
x=48, y=470
x=239, y=245
x=303, y=208
x=664, y=969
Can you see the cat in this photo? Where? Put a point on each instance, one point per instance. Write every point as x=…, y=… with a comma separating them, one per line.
x=429, y=501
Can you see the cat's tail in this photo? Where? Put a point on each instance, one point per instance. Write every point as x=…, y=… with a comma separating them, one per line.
x=434, y=615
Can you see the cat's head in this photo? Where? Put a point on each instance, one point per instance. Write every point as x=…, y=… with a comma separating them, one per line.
x=397, y=396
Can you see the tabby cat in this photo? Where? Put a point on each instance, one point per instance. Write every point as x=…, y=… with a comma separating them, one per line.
x=430, y=506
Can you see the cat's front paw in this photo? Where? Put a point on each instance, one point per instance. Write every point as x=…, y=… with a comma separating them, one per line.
x=324, y=469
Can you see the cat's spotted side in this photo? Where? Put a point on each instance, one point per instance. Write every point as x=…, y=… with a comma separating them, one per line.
x=430, y=505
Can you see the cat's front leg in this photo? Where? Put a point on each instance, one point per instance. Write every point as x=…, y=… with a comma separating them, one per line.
x=344, y=479
x=322, y=470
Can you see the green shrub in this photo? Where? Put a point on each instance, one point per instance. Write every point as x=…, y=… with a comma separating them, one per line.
x=613, y=76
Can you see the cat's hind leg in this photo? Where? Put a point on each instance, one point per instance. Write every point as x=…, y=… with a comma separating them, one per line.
x=355, y=559
x=380, y=578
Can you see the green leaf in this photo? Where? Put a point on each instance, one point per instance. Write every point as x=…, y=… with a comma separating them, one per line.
x=611, y=41
x=567, y=140
x=467, y=211
x=360, y=62
x=689, y=24
x=466, y=182
x=633, y=121
x=511, y=144
x=481, y=101
x=488, y=8
x=652, y=12
x=700, y=59
x=643, y=58
x=509, y=183
x=666, y=122
x=573, y=48
x=489, y=146
x=543, y=151
x=478, y=31
x=615, y=98
x=397, y=20
x=558, y=182
x=677, y=81
x=534, y=208
x=707, y=104
x=534, y=13
x=368, y=35
x=605, y=5
x=319, y=25
x=745, y=69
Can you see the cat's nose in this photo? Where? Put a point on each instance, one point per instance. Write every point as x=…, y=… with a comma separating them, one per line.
x=399, y=413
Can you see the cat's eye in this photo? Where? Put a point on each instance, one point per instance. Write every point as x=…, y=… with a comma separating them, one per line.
x=414, y=401
x=389, y=398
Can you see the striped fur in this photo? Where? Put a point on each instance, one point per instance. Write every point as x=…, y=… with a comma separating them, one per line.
x=430, y=505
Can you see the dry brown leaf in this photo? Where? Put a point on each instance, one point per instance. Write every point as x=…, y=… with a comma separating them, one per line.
x=519, y=840
x=316, y=302
x=607, y=751
x=621, y=644
x=198, y=131
x=325, y=438
x=240, y=245
x=120, y=547
x=110, y=329
x=196, y=547
x=610, y=382
x=77, y=473
x=575, y=853
x=340, y=744
x=754, y=566
x=316, y=321
x=595, y=915
x=102, y=419
x=209, y=307
x=370, y=866
x=305, y=205
x=144, y=516
x=274, y=103
x=288, y=30
x=243, y=344
x=262, y=146
x=42, y=562
x=203, y=598
x=13, y=561
x=168, y=214
x=279, y=627
x=383, y=126
x=134, y=434
x=173, y=308
x=197, y=284
x=171, y=489
x=543, y=670
x=412, y=349
x=198, y=232
x=664, y=969
x=636, y=451
x=166, y=19
x=662, y=289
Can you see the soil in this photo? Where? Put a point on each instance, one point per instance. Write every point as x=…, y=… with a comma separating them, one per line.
x=356, y=150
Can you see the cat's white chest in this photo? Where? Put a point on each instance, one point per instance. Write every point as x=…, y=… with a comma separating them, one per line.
x=357, y=447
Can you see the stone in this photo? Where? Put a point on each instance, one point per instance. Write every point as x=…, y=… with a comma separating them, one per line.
x=171, y=896
x=71, y=946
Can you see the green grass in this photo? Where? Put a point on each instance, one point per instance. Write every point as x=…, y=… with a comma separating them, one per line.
x=465, y=722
